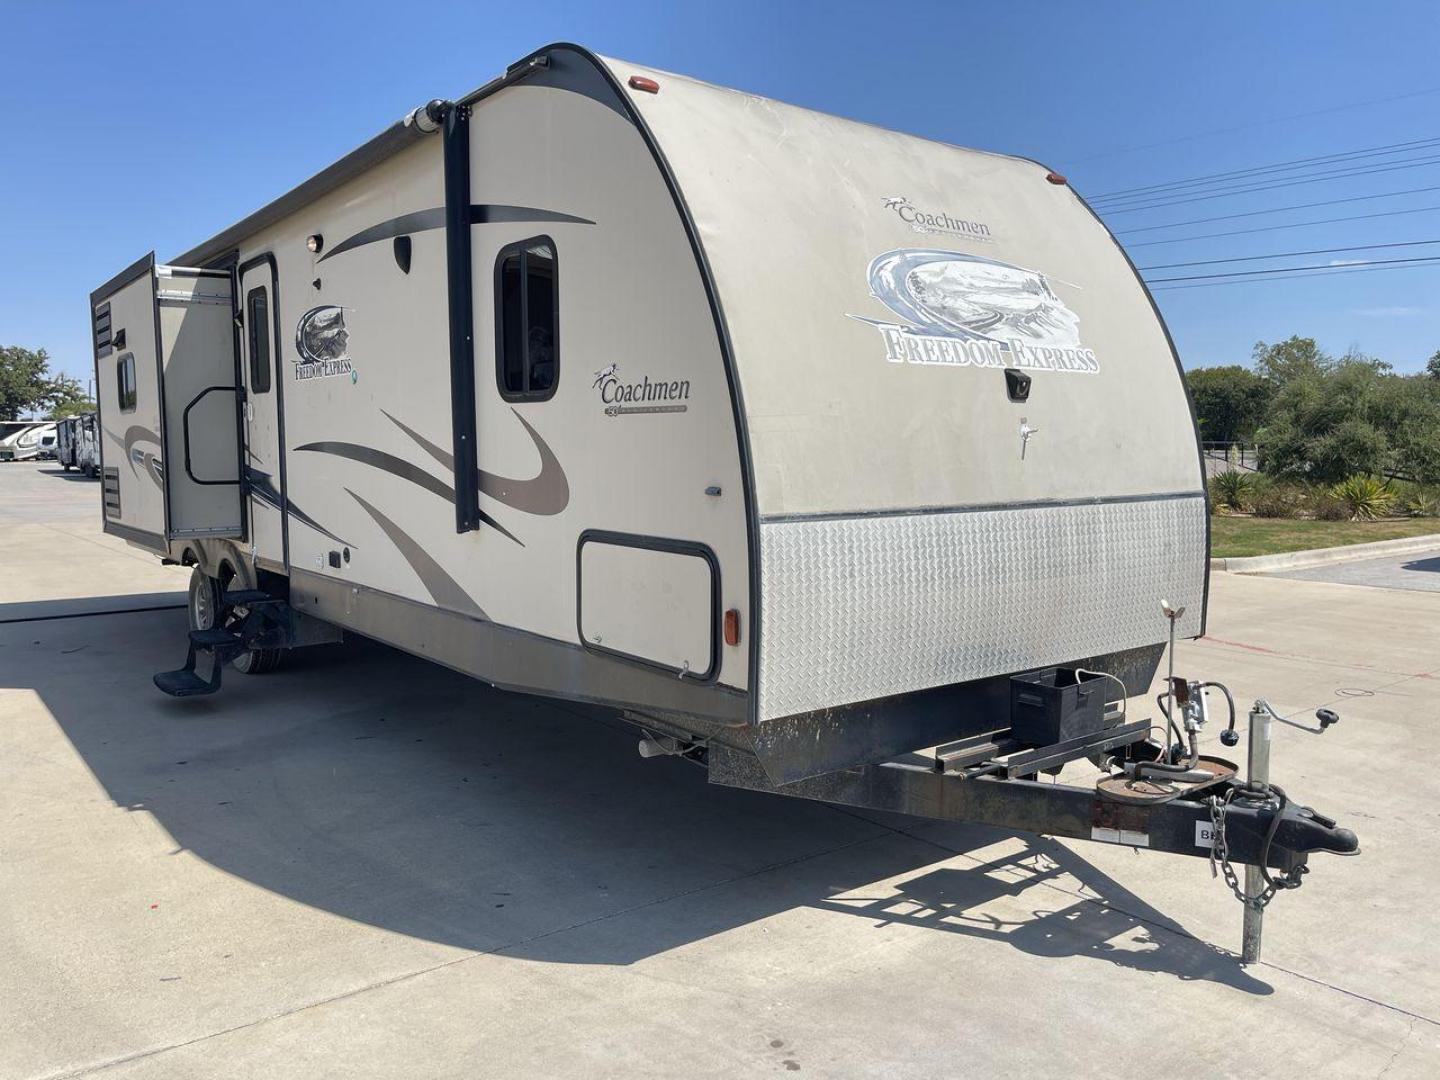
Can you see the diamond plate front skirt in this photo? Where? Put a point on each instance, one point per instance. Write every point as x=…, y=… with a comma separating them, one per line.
x=857, y=608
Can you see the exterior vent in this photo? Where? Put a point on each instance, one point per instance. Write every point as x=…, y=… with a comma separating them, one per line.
x=102, y=330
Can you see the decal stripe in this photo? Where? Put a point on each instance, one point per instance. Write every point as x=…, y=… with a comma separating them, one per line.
x=443, y=456
x=443, y=589
x=405, y=470
x=544, y=494
x=424, y=220
x=262, y=489
x=378, y=459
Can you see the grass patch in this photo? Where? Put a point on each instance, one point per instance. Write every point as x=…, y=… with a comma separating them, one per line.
x=1237, y=537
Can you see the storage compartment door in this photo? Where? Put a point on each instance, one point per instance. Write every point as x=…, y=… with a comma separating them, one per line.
x=650, y=600
x=195, y=321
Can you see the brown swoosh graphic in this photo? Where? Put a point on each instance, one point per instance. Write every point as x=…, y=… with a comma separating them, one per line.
x=443, y=589
x=405, y=470
x=544, y=494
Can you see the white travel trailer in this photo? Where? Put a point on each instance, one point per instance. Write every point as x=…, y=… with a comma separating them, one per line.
x=76, y=446
x=792, y=437
x=27, y=440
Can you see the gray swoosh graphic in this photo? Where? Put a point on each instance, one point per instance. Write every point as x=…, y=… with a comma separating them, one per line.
x=424, y=220
x=544, y=494
x=405, y=470
x=443, y=589
x=263, y=488
x=133, y=434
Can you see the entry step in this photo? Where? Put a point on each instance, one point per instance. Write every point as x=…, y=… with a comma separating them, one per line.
x=215, y=638
x=248, y=598
x=185, y=683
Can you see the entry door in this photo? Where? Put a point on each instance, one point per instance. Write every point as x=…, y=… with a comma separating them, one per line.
x=260, y=372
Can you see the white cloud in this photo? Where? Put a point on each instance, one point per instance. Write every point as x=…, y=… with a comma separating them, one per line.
x=1348, y=262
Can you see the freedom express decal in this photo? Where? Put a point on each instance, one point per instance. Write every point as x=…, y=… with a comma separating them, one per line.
x=969, y=311
x=323, y=343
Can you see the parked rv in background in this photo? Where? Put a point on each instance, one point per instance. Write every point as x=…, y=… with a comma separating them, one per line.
x=24, y=440
x=77, y=446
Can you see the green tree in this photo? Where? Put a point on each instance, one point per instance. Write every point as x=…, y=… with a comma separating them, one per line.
x=1230, y=402
x=1432, y=366
x=1293, y=358
x=26, y=384
x=24, y=380
x=67, y=398
x=1354, y=417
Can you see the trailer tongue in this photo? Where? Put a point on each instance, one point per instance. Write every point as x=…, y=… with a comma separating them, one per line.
x=1199, y=809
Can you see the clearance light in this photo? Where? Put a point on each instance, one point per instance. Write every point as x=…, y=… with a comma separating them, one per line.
x=1055, y=178
x=732, y=627
x=640, y=82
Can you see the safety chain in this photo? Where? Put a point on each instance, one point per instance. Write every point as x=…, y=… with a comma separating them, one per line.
x=1263, y=795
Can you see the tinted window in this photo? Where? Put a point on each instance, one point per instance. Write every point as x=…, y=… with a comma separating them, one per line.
x=125, y=382
x=257, y=329
x=527, y=308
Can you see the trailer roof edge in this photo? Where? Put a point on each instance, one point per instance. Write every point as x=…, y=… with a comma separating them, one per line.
x=389, y=142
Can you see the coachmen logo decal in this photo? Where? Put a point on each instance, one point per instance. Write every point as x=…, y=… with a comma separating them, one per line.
x=645, y=396
x=968, y=311
x=323, y=344
x=923, y=221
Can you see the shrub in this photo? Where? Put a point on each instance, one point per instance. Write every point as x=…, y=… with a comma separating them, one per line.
x=1326, y=507
x=1231, y=489
x=1422, y=502
x=1365, y=497
x=1272, y=499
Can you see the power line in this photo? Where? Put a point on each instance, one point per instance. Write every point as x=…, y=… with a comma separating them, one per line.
x=1335, y=272
x=1259, y=123
x=1280, y=209
x=1368, y=170
x=1274, y=228
x=1294, y=269
x=1289, y=254
x=1284, y=166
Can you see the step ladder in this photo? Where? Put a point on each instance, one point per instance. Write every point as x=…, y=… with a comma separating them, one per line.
x=262, y=628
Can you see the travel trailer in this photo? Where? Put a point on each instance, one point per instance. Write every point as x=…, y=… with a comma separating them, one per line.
x=76, y=446
x=805, y=444
x=26, y=440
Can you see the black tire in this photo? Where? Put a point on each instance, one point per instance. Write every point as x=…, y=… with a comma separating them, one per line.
x=203, y=609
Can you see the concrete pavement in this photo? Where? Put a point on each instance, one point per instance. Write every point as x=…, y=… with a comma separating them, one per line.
x=1418, y=570
x=367, y=865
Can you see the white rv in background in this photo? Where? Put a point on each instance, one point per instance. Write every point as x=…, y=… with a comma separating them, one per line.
x=791, y=437
x=76, y=445
x=26, y=440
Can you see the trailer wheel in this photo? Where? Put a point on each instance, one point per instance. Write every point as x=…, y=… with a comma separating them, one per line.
x=205, y=612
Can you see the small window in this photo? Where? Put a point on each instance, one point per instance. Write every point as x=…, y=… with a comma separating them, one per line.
x=125, y=382
x=257, y=329
x=527, y=324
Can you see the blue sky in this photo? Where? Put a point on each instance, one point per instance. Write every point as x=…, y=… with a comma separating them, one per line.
x=136, y=126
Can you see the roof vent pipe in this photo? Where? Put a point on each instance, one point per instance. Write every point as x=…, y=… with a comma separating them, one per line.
x=429, y=117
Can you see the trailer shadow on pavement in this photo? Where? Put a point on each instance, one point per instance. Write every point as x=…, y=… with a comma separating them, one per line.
x=1082, y=913
x=383, y=789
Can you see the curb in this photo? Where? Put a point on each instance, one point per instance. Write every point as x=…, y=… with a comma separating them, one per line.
x=1299, y=560
x=72, y=607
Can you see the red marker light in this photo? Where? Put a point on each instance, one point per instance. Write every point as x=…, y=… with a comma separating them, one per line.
x=1055, y=178
x=732, y=627
x=640, y=82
